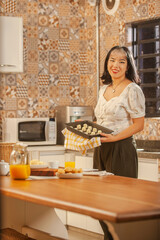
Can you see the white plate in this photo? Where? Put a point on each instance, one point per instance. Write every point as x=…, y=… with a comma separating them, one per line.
x=41, y=177
x=90, y=170
x=69, y=175
x=99, y=173
x=91, y=173
x=39, y=166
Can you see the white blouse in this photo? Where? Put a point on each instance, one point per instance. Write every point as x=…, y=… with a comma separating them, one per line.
x=117, y=113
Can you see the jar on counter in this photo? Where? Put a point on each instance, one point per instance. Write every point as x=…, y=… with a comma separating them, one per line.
x=19, y=162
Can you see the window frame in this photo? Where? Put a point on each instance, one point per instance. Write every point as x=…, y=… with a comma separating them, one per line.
x=135, y=47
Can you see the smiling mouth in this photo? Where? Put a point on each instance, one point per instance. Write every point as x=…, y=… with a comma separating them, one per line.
x=115, y=71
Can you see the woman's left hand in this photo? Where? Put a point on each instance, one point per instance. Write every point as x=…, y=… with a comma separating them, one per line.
x=107, y=138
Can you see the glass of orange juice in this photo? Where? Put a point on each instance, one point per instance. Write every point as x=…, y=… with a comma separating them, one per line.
x=19, y=162
x=20, y=171
x=70, y=160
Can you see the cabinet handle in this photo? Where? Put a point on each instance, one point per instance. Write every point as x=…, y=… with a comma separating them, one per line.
x=7, y=65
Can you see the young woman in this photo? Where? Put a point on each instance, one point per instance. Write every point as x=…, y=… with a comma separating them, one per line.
x=120, y=107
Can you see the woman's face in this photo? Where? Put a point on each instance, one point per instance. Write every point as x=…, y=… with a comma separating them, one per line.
x=117, y=64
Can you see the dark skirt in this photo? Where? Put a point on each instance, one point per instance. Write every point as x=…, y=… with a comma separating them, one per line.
x=119, y=158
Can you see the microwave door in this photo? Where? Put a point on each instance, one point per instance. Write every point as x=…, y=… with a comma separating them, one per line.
x=31, y=131
x=73, y=118
x=47, y=130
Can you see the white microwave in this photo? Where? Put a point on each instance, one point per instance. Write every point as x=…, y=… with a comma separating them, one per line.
x=32, y=131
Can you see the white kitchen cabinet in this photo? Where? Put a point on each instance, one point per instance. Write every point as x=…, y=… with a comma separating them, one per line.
x=80, y=220
x=62, y=214
x=84, y=161
x=49, y=157
x=49, y=153
x=148, y=169
x=11, y=44
x=93, y=225
x=70, y=218
x=76, y=220
x=84, y=222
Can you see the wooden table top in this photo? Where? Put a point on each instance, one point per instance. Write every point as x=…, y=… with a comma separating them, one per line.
x=112, y=198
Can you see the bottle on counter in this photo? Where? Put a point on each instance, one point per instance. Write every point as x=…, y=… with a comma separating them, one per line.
x=19, y=162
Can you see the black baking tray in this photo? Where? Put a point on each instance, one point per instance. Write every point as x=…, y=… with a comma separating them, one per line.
x=71, y=127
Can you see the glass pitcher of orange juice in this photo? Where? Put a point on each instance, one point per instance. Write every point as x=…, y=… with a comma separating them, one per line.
x=19, y=162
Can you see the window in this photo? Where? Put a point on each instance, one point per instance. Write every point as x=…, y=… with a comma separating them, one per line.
x=146, y=51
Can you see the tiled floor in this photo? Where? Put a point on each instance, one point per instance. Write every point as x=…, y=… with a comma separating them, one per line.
x=78, y=234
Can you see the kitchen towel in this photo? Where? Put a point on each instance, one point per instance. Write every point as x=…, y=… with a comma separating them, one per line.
x=75, y=142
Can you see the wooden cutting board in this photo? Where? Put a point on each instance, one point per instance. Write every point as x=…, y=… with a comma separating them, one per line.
x=43, y=172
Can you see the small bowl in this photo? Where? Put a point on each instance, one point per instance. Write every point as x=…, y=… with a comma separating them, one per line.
x=53, y=164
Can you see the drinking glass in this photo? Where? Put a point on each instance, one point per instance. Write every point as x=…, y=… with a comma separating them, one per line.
x=70, y=160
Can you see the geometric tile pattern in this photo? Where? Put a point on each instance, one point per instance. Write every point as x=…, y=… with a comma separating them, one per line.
x=43, y=79
x=11, y=79
x=11, y=114
x=33, y=91
x=22, y=103
x=22, y=113
x=22, y=92
x=10, y=92
x=63, y=33
x=22, y=80
x=10, y=6
x=43, y=91
x=43, y=103
x=53, y=56
x=10, y=104
x=21, y=6
x=151, y=130
x=74, y=80
x=60, y=65
x=64, y=80
x=43, y=56
x=32, y=55
x=43, y=68
x=53, y=68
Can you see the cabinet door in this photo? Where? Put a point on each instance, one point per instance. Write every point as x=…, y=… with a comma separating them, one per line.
x=11, y=44
x=84, y=162
x=62, y=214
x=148, y=169
x=76, y=220
x=80, y=220
x=93, y=225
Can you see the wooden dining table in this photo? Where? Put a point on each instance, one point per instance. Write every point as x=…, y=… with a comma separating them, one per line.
x=110, y=198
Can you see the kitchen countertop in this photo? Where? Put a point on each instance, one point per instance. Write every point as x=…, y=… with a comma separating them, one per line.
x=60, y=149
x=138, y=199
x=148, y=154
x=46, y=148
x=141, y=153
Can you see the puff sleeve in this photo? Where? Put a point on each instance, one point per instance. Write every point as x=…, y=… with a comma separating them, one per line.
x=136, y=102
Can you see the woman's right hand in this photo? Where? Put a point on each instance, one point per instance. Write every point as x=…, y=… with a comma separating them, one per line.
x=107, y=138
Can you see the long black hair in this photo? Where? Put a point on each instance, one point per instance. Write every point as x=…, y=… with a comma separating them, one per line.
x=131, y=73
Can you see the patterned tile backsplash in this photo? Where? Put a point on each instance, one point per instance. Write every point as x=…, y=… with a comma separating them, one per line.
x=60, y=63
x=151, y=130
